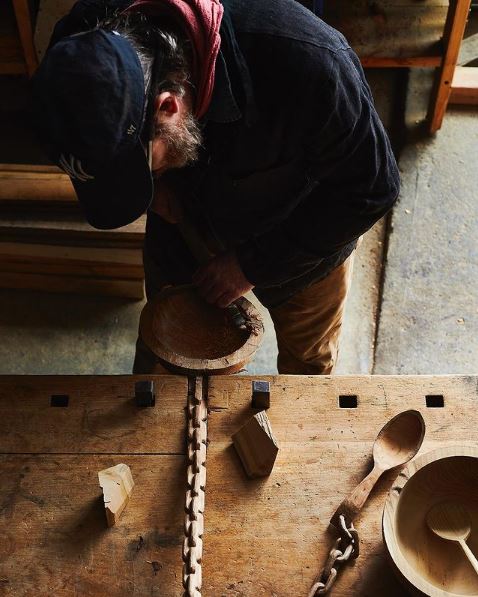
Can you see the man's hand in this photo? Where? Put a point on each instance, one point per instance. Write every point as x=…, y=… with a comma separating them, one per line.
x=221, y=281
x=166, y=203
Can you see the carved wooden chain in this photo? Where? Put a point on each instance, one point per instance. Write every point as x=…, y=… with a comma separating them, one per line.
x=346, y=547
x=196, y=485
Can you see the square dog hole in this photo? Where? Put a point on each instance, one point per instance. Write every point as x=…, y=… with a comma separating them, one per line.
x=59, y=400
x=348, y=401
x=435, y=400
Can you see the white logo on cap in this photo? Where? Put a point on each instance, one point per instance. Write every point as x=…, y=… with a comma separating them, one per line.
x=72, y=166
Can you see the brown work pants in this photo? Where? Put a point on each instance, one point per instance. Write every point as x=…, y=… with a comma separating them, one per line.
x=307, y=326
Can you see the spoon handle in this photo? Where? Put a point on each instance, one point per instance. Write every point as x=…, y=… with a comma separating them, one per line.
x=469, y=554
x=352, y=505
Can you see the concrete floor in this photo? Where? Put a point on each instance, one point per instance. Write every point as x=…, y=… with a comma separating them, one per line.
x=427, y=315
x=66, y=334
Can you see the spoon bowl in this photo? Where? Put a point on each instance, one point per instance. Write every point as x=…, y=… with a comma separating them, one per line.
x=397, y=442
x=451, y=521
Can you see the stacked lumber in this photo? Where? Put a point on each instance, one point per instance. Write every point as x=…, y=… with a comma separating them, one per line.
x=464, y=87
x=46, y=244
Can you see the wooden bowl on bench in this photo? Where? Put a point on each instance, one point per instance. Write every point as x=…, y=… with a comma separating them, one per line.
x=190, y=336
x=427, y=564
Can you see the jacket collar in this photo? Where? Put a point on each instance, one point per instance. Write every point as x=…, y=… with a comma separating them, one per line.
x=233, y=96
x=223, y=107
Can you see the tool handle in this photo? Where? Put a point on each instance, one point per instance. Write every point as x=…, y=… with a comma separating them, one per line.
x=469, y=554
x=352, y=505
x=195, y=242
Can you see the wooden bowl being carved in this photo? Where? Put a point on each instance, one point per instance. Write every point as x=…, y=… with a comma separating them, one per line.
x=427, y=564
x=190, y=336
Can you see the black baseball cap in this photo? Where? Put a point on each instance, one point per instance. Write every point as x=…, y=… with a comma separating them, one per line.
x=89, y=109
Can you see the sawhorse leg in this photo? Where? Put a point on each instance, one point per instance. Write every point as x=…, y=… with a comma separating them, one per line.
x=452, y=36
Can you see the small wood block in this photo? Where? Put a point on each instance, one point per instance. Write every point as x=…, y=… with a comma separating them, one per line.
x=256, y=446
x=261, y=396
x=117, y=484
x=464, y=87
x=144, y=393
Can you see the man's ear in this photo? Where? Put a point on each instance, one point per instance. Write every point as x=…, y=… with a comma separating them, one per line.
x=166, y=106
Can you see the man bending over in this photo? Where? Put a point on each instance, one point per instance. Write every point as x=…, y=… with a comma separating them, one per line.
x=249, y=119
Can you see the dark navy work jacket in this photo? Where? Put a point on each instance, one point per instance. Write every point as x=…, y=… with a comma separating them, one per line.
x=296, y=164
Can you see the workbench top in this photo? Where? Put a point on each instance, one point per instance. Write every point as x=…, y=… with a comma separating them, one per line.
x=262, y=537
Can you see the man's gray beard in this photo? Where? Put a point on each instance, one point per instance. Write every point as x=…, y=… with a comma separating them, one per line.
x=183, y=141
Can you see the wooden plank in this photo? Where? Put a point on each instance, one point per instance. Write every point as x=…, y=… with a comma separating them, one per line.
x=390, y=28
x=371, y=390
x=11, y=68
x=468, y=50
x=464, y=88
x=32, y=169
x=11, y=53
x=36, y=253
x=53, y=188
x=262, y=537
x=68, y=226
x=54, y=535
x=69, y=263
x=401, y=62
x=362, y=6
x=24, y=24
x=84, y=285
x=101, y=416
x=78, y=262
x=11, y=59
x=25, y=182
x=94, y=270
x=454, y=30
x=273, y=538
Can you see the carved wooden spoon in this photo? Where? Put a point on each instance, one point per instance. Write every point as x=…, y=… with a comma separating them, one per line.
x=451, y=521
x=397, y=443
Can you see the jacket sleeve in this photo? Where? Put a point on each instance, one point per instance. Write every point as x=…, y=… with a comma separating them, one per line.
x=355, y=176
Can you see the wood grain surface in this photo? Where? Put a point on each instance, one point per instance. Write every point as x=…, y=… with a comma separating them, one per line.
x=262, y=537
x=101, y=416
x=83, y=285
x=464, y=88
x=54, y=536
x=269, y=536
x=33, y=183
x=391, y=28
x=456, y=20
x=190, y=337
x=65, y=226
x=55, y=540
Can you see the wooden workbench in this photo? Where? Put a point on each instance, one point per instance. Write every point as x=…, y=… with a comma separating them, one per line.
x=263, y=537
